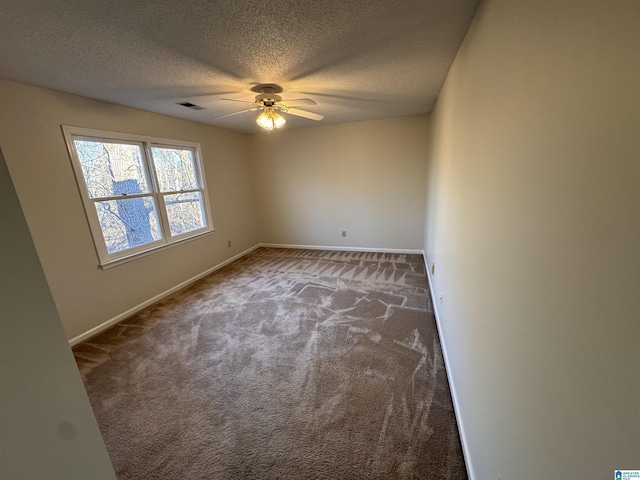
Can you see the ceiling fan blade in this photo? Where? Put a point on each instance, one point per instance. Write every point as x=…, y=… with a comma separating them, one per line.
x=297, y=101
x=239, y=101
x=236, y=113
x=206, y=95
x=305, y=114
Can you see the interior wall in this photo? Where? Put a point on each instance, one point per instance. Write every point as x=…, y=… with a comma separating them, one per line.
x=35, y=151
x=48, y=428
x=365, y=177
x=533, y=223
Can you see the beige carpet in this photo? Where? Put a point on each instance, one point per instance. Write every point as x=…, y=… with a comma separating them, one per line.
x=286, y=364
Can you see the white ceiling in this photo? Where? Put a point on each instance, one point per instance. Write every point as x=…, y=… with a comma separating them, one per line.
x=358, y=59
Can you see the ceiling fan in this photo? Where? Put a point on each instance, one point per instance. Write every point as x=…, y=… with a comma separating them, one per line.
x=270, y=103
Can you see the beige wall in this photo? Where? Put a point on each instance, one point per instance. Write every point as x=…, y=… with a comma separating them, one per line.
x=48, y=429
x=366, y=178
x=38, y=161
x=309, y=185
x=534, y=226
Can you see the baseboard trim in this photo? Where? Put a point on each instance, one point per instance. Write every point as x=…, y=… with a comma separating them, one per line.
x=337, y=248
x=452, y=388
x=118, y=318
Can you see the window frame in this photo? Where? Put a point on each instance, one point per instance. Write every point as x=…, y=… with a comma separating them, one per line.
x=146, y=143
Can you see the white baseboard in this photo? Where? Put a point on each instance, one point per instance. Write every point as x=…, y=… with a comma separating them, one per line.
x=118, y=318
x=337, y=248
x=452, y=388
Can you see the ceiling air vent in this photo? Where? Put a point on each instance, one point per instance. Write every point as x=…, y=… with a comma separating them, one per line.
x=190, y=105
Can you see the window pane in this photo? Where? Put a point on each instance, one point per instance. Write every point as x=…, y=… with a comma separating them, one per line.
x=111, y=169
x=185, y=213
x=128, y=223
x=175, y=169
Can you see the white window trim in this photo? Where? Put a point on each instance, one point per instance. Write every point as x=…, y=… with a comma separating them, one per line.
x=105, y=259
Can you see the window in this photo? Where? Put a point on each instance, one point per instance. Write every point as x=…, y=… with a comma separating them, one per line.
x=139, y=193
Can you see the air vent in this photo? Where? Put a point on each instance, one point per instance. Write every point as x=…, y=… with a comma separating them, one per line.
x=190, y=105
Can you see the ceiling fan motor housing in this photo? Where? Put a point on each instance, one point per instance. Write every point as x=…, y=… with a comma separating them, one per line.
x=271, y=103
x=268, y=98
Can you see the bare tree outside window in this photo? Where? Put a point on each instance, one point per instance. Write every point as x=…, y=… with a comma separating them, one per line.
x=114, y=173
x=176, y=173
x=139, y=193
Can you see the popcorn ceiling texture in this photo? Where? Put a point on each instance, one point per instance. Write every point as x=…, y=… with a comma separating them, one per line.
x=358, y=59
x=286, y=364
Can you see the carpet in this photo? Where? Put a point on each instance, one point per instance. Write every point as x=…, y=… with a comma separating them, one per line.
x=285, y=364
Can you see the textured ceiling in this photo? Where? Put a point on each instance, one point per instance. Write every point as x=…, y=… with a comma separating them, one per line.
x=358, y=59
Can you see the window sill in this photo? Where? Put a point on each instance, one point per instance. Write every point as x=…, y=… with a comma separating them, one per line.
x=135, y=256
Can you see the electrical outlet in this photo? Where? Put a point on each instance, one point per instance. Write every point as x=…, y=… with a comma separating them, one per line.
x=433, y=269
x=229, y=243
x=344, y=233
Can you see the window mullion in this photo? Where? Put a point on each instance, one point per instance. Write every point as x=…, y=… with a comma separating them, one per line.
x=178, y=192
x=124, y=196
x=162, y=208
x=166, y=231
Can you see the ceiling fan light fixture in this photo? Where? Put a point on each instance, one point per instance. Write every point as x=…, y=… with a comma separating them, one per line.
x=270, y=119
